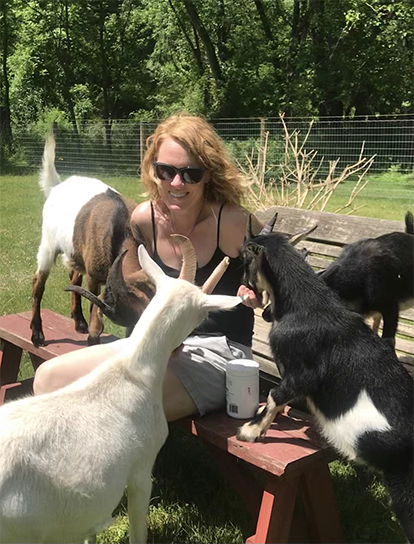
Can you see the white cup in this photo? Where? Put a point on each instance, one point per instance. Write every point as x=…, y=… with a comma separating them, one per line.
x=242, y=388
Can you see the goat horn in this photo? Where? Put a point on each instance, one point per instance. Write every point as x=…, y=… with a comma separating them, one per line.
x=102, y=305
x=249, y=233
x=409, y=223
x=116, y=277
x=211, y=282
x=295, y=238
x=267, y=229
x=189, y=264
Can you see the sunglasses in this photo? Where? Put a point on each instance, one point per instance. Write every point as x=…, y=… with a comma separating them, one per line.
x=188, y=174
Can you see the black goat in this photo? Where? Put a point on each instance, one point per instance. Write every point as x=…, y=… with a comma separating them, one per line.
x=377, y=275
x=361, y=396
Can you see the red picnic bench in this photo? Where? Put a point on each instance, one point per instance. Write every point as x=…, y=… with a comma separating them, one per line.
x=284, y=480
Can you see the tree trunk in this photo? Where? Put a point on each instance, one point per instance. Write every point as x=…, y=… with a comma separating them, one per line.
x=300, y=28
x=265, y=23
x=269, y=36
x=195, y=50
x=205, y=38
x=105, y=81
x=69, y=74
x=5, y=117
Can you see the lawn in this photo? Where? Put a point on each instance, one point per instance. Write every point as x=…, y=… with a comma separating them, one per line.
x=191, y=502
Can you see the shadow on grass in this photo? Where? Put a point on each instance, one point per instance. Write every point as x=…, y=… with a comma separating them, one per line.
x=187, y=480
x=364, y=505
x=193, y=503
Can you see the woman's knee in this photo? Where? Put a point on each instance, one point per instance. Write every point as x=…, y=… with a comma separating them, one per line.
x=46, y=379
x=176, y=400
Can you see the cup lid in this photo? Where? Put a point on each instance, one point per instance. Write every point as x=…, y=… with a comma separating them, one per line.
x=242, y=365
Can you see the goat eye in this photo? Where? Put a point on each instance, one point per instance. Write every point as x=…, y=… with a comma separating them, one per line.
x=252, y=248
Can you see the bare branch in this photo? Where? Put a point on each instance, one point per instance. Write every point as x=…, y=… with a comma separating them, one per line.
x=301, y=183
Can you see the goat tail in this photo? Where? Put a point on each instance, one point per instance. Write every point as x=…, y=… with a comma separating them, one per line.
x=409, y=223
x=102, y=305
x=49, y=177
x=400, y=487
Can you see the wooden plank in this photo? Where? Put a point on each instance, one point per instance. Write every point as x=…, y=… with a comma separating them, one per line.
x=262, y=349
x=289, y=447
x=239, y=476
x=318, y=263
x=276, y=511
x=317, y=248
x=320, y=505
x=404, y=346
x=16, y=390
x=10, y=358
x=266, y=365
x=408, y=314
x=59, y=331
x=332, y=228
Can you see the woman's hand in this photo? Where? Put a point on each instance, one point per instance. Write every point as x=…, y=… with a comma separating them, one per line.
x=252, y=301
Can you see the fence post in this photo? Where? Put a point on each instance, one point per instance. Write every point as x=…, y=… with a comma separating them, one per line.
x=141, y=144
x=261, y=151
x=262, y=131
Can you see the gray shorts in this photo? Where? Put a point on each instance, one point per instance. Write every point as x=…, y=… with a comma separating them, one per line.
x=201, y=368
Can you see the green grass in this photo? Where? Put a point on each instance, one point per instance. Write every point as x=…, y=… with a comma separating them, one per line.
x=191, y=501
x=387, y=196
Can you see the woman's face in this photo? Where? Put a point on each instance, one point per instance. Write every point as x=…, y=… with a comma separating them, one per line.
x=176, y=194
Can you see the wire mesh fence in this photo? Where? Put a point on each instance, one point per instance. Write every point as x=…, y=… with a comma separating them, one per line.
x=118, y=148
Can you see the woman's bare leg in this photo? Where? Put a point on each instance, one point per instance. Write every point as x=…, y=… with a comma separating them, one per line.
x=65, y=369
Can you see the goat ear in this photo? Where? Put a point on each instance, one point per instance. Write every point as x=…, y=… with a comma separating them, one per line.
x=150, y=267
x=223, y=302
x=249, y=233
x=295, y=238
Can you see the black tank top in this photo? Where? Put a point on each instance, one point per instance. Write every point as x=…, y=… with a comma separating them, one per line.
x=236, y=324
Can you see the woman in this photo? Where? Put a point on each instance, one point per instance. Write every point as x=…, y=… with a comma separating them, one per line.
x=194, y=190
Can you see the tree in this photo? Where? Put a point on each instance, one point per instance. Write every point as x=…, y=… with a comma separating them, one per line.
x=7, y=31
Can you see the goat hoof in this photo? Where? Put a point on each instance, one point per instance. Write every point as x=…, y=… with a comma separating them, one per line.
x=81, y=327
x=247, y=433
x=38, y=339
x=93, y=340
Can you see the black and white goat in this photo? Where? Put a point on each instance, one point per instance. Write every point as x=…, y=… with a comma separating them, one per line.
x=376, y=275
x=361, y=396
x=67, y=456
x=87, y=222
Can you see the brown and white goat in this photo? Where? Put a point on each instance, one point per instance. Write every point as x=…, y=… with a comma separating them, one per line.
x=87, y=222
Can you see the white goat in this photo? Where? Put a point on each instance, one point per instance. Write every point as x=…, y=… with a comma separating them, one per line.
x=66, y=457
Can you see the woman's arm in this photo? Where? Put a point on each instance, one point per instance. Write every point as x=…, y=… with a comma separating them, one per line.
x=232, y=237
